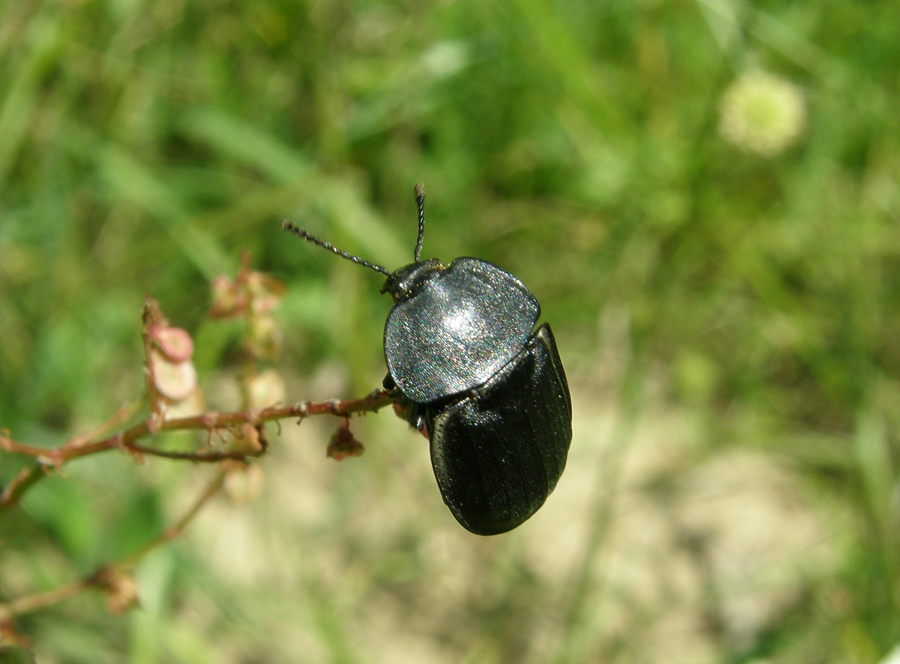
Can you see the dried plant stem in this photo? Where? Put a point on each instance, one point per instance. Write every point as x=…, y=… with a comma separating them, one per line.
x=113, y=577
x=37, y=601
x=49, y=459
x=100, y=578
x=24, y=480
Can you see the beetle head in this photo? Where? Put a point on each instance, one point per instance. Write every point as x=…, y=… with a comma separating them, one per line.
x=403, y=283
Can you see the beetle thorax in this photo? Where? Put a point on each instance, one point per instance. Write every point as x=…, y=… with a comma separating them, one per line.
x=406, y=281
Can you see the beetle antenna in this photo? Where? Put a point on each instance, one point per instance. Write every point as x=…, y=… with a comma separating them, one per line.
x=420, y=203
x=309, y=237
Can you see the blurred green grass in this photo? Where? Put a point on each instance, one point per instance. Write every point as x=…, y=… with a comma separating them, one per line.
x=143, y=145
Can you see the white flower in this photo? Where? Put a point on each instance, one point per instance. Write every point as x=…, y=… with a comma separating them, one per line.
x=762, y=113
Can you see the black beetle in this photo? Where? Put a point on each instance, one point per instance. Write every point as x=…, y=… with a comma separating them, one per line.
x=487, y=388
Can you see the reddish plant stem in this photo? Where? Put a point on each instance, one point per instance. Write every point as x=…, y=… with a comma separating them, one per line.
x=51, y=458
x=24, y=480
x=99, y=579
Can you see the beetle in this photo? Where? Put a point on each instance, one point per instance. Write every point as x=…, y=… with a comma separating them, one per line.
x=486, y=387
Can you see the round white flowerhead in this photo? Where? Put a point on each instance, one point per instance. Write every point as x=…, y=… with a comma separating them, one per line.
x=762, y=113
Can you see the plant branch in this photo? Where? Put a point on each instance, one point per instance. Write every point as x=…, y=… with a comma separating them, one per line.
x=50, y=458
x=106, y=575
x=30, y=603
x=251, y=295
x=24, y=480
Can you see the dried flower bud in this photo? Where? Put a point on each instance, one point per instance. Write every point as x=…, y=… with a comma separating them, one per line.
x=265, y=291
x=121, y=588
x=249, y=438
x=343, y=444
x=250, y=291
x=228, y=299
x=173, y=342
x=173, y=380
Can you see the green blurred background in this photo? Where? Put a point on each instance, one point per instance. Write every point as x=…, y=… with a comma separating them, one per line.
x=717, y=252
